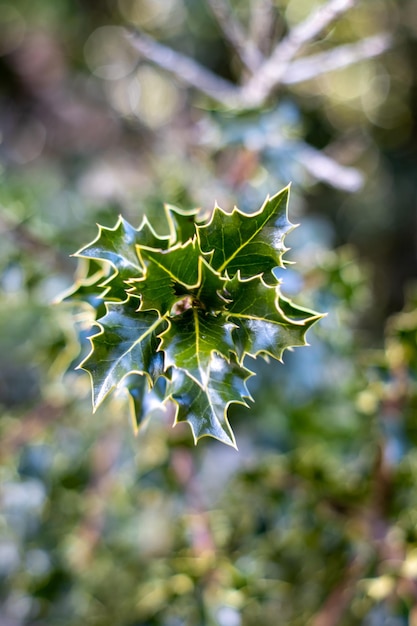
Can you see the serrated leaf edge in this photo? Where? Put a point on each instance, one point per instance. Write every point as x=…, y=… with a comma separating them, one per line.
x=204, y=375
x=243, y=214
x=196, y=438
x=131, y=406
x=80, y=366
x=171, y=208
x=312, y=317
x=120, y=220
x=178, y=246
x=82, y=282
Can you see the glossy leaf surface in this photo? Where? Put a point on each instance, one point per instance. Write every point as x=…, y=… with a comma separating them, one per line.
x=205, y=409
x=125, y=343
x=184, y=310
x=191, y=340
x=252, y=244
x=262, y=327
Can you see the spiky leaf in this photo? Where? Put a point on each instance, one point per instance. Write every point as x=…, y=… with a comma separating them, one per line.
x=143, y=397
x=181, y=222
x=210, y=293
x=118, y=246
x=193, y=338
x=205, y=409
x=127, y=342
x=262, y=327
x=252, y=244
x=169, y=276
x=188, y=308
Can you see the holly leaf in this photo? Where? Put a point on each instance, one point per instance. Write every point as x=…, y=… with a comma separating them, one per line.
x=210, y=293
x=118, y=246
x=181, y=223
x=189, y=308
x=115, y=245
x=192, y=339
x=261, y=326
x=143, y=399
x=251, y=243
x=205, y=409
x=87, y=287
x=168, y=276
x=126, y=343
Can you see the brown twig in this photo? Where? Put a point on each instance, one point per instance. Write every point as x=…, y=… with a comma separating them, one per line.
x=339, y=598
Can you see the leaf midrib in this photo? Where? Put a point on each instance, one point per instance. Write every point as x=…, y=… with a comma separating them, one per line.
x=236, y=252
x=117, y=361
x=171, y=275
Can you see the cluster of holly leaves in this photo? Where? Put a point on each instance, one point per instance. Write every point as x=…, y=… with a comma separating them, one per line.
x=176, y=315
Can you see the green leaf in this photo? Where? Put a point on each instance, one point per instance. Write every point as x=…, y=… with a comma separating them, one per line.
x=179, y=263
x=126, y=343
x=262, y=327
x=253, y=244
x=168, y=276
x=192, y=339
x=181, y=223
x=143, y=398
x=210, y=293
x=115, y=245
x=206, y=409
x=118, y=246
x=87, y=287
x=189, y=307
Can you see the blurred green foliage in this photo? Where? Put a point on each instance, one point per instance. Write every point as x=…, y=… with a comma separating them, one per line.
x=314, y=520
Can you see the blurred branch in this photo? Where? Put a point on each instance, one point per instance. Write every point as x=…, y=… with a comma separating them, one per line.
x=263, y=24
x=185, y=69
x=245, y=48
x=326, y=169
x=279, y=69
x=340, y=598
x=270, y=75
x=342, y=56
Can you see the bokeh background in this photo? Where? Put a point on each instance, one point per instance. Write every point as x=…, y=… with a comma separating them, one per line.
x=314, y=520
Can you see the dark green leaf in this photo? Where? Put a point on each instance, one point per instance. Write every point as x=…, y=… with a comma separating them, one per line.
x=262, y=327
x=209, y=294
x=126, y=343
x=118, y=245
x=253, y=244
x=205, y=409
x=87, y=288
x=143, y=398
x=181, y=222
x=190, y=308
x=193, y=338
x=168, y=277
